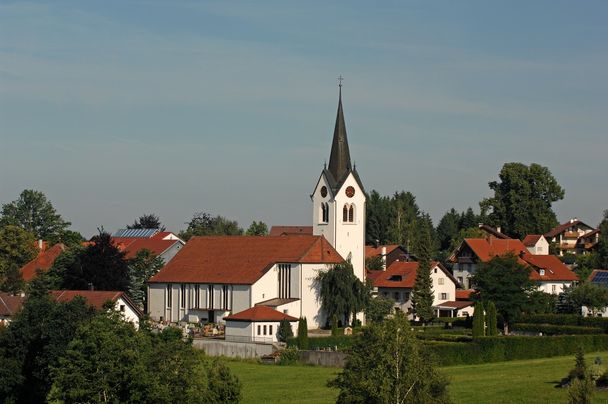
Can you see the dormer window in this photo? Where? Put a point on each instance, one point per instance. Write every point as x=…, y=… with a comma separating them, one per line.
x=395, y=278
x=542, y=272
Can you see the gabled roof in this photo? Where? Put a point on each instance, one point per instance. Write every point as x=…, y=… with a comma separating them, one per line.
x=260, y=313
x=95, y=298
x=43, y=261
x=290, y=231
x=562, y=227
x=403, y=275
x=9, y=304
x=555, y=270
x=154, y=245
x=373, y=251
x=531, y=239
x=485, y=250
x=242, y=259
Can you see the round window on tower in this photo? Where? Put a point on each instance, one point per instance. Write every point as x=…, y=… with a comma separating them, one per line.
x=350, y=191
x=324, y=191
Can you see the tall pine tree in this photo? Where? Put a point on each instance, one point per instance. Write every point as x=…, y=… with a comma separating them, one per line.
x=422, y=294
x=491, y=321
x=479, y=329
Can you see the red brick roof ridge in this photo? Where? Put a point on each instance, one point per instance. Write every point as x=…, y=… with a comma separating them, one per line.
x=260, y=313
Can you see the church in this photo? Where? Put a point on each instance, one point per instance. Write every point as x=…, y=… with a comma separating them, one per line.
x=250, y=283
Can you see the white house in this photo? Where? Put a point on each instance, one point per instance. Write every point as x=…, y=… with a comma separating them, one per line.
x=257, y=324
x=536, y=244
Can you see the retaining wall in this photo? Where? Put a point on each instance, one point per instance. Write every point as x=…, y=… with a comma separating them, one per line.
x=323, y=358
x=230, y=349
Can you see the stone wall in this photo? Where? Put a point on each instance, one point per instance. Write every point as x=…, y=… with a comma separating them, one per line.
x=323, y=358
x=246, y=350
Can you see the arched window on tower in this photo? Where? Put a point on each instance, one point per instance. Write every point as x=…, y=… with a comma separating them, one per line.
x=351, y=214
x=326, y=212
x=345, y=213
x=322, y=219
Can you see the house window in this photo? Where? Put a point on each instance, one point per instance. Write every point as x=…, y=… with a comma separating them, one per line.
x=435, y=270
x=324, y=212
x=183, y=296
x=264, y=329
x=210, y=297
x=406, y=296
x=284, y=281
x=397, y=296
x=270, y=327
x=443, y=296
x=169, y=295
x=259, y=329
x=440, y=281
x=554, y=288
x=542, y=272
x=345, y=214
x=460, y=280
x=122, y=308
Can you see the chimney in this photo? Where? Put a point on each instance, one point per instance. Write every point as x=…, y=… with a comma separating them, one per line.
x=498, y=229
x=384, y=258
x=40, y=244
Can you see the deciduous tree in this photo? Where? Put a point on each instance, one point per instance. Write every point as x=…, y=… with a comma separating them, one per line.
x=147, y=221
x=17, y=247
x=203, y=224
x=141, y=268
x=378, y=309
x=257, y=229
x=590, y=295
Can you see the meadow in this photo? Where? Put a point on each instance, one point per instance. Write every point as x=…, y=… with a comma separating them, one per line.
x=524, y=381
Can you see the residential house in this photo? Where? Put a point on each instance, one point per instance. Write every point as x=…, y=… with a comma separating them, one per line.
x=588, y=242
x=598, y=277
x=9, y=306
x=389, y=253
x=98, y=299
x=43, y=261
x=567, y=236
x=256, y=324
x=536, y=244
x=163, y=244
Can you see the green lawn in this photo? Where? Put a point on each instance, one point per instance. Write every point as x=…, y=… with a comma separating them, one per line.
x=529, y=381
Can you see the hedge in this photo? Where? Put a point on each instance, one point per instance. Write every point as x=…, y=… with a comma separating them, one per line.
x=565, y=319
x=498, y=349
x=551, y=329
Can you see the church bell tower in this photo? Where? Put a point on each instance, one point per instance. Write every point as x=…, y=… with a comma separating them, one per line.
x=339, y=200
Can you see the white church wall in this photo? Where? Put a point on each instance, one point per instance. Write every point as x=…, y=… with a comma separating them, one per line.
x=266, y=287
x=311, y=306
x=319, y=227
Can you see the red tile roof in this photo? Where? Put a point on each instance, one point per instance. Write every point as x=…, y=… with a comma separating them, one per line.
x=488, y=249
x=242, y=259
x=95, y=298
x=372, y=251
x=460, y=304
x=402, y=274
x=531, y=239
x=290, y=230
x=464, y=294
x=260, y=313
x=9, y=304
x=555, y=270
x=562, y=227
x=43, y=261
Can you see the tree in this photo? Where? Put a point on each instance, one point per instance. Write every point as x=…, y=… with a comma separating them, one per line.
x=100, y=265
x=303, y=333
x=257, y=229
x=69, y=238
x=341, y=292
x=17, y=247
x=147, y=221
x=479, y=324
x=540, y=303
x=602, y=246
x=387, y=365
x=404, y=213
x=491, y=320
x=378, y=218
x=422, y=293
x=468, y=232
x=506, y=282
x=582, y=386
x=448, y=228
x=593, y=297
x=34, y=213
x=141, y=268
x=378, y=308
x=522, y=200
x=285, y=331
x=203, y=224
x=375, y=263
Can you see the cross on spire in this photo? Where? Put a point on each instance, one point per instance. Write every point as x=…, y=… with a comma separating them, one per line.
x=340, y=78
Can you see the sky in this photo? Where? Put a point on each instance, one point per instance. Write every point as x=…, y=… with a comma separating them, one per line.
x=114, y=109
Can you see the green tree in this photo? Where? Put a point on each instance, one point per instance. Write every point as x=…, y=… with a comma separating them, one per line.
x=34, y=213
x=142, y=267
x=468, y=219
x=506, y=282
x=257, y=229
x=479, y=323
x=203, y=224
x=101, y=265
x=387, y=365
x=378, y=218
x=540, y=303
x=422, y=293
x=448, y=228
x=285, y=330
x=602, y=247
x=341, y=293
x=374, y=263
x=590, y=295
x=522, y=200
x=303, y=333
x=378, y=309
x=491, y=320
x=17, y=247
x=147, y=221
x=582, y=386
x=404, y=214
x=468, y=232
x=69, y=238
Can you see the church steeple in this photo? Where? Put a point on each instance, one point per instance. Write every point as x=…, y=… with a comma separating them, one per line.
x=339, y=159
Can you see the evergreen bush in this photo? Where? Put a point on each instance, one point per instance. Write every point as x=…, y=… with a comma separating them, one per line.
x=285, y=330
x=479, y=321
x=491, y=320
x=303, y=333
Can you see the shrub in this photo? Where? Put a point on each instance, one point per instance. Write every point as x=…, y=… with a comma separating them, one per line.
x=303, y=333
x=549, y=329
x=289, y=356
x=566, y=319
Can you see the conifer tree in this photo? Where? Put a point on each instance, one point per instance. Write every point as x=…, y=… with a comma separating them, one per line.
x=478, y=321
x=303, y=333
x=491, y=321
x=285, y=330
x=422, y=294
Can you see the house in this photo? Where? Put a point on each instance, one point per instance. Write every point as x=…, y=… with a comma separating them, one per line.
x=588, y=242
x=163, y=244
x=43, y=261
x=598, y=277
x=290, y=231
x=389, y=253
x=9, y=306
x=213, y=277
x=98, y=299
x=536, y=244
x=566, y=237
x=551, y=275
x=398, y=280
x=256, y=324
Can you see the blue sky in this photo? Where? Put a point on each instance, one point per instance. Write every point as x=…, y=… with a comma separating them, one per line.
x=119, y=108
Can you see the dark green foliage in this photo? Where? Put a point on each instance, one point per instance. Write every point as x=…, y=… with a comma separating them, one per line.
x=540, y=303
x=378, y=219
x=522, y=200
x=422, y=293
x=69, y=238
x=303, y=333
x=377, y=309
x=257, y=229
x=203, y=224
x=563, y=304
x=374, y=263
x=580, y=366
x=594, y=297
x=33, y=343
x=34, y=213
x=491, y=320
x=101, y=265
x=17, y=247
x=506, y=282
x=479, y=324
x=448, y=228
x=147, y=221
x=601, y=260
x=566, y=319
x=581, y=391
x=386, y=365
x=141, y=268
x=289, y=356
x=335, y=331
x=285, y=331
x=499, y=349
x=550, y=329
x=342, y=294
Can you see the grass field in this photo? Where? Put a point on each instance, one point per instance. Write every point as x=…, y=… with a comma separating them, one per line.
x=529, y=381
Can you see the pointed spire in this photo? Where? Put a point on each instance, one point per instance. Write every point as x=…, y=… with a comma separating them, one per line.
x=339, y=159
